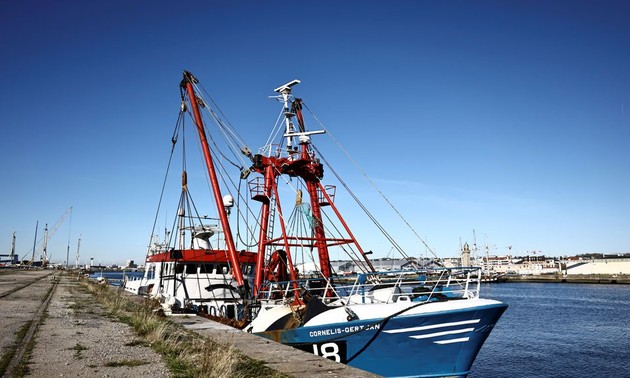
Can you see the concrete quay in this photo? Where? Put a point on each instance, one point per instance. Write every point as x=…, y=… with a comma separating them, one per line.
x=49, y=327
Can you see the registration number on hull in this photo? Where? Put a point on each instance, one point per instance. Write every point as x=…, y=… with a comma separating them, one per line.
x=336, y=351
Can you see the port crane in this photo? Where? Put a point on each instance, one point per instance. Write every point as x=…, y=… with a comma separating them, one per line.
x=48, y=234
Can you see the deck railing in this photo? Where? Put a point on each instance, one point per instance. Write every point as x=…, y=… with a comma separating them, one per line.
x=382, y=287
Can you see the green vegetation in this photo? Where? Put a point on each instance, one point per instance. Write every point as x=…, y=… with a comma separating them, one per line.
x=22, y=366
x=8, y=355
x=126, y=363
x=137, y=342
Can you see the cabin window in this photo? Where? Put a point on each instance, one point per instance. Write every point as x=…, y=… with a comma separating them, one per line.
x=191, y=268
x=179, y=268
x=207, y=268
x=221, y=267
x=248, y=269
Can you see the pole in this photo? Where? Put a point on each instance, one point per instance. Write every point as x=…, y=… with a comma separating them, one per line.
x=12, y=246
x=34, y=242
x=78, y=247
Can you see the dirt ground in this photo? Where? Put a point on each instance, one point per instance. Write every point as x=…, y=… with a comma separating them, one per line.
x=18, y=309
x=77, y=339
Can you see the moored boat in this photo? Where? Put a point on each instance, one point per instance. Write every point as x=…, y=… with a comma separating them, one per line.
x=412, y=323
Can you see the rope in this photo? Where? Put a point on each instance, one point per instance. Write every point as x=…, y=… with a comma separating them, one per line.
x=180, y=121
x=246, y=221
x=380, y=329
x=383, y=322
x=363, y=207
x=277, y=128
x=230, y=129
x=221, y=128
x=371, y=183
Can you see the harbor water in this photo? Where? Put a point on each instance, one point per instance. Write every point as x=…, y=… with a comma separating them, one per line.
x=558, y=330
x=116, y=278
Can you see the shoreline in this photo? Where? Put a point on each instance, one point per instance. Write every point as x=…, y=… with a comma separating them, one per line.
x=621, y=279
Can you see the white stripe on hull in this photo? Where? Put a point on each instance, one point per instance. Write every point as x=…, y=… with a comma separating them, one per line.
x=444, y=333
x=433, y=326
x=451, y=341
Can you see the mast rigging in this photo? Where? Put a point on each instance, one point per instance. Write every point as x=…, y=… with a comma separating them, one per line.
x=187, y=85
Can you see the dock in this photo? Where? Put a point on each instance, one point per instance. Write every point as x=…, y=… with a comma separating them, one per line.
x=51, y=326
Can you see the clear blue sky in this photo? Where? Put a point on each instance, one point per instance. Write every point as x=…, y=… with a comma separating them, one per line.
x=508, y=117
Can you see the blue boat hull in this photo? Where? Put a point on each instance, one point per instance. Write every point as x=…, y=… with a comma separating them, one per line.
x=434, y=344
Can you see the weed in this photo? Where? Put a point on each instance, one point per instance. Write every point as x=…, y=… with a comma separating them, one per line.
x=137, y=342
x=22, y=368
x=126, y=363
x=78, y=348
x=8, y=355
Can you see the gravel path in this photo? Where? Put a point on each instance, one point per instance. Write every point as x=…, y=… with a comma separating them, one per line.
x=77, y=339
x=21, y=294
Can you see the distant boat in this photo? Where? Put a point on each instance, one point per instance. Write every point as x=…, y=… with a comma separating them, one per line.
x=408, y=323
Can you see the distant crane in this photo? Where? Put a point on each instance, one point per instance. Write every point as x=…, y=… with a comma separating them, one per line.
x=78, y=246
x=45, y=246
x=48, y=234
x=12, y=249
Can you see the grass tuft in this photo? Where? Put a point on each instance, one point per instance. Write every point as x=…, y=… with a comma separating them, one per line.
x=78, y=348
x=5, y=360
x=129, y=363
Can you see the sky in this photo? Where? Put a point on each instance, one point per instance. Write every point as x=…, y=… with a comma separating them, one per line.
x=503, y=121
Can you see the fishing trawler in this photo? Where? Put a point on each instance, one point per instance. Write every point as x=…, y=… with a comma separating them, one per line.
x=191, y=269
x=411, y=323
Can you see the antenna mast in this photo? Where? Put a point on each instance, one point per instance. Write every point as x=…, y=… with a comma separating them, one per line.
x=299, y=161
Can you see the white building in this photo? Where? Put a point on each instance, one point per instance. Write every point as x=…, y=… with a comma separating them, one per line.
x=599, y=266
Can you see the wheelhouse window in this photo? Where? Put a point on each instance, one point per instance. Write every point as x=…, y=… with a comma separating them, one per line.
x=191, y=268
x=206, y=268
x=223, y=269
x=248, y=269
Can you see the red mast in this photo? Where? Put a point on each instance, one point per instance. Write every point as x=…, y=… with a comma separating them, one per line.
x=265, y=198
x=187, y=84
x=298, y=161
